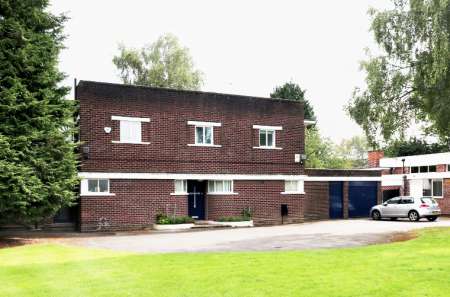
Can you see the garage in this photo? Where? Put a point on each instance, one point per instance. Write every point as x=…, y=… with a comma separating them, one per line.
x=362, y=195
x=336, y=200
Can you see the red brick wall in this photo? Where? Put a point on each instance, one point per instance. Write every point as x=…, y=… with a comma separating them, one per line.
x=263, y=198
x=134, y=206
x=169, y=134
x=316, y=200
x=444, y=203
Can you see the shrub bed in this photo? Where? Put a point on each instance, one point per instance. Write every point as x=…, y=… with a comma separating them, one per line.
x=171, y=220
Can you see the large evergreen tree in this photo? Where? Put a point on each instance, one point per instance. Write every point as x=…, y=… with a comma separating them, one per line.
x=293, y=91
x=37, y=159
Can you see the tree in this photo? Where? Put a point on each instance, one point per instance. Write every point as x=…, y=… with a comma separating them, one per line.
x=321, y=152
x=412, y=147
x=410, y=80
x=38, y=171
x=292, y=91
x=354, y=150
x=165, y=63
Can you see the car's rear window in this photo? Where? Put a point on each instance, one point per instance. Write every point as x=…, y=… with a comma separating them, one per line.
x=428, y=200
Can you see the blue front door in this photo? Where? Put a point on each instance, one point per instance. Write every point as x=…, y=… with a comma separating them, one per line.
x=336, y=200
x=196, y=199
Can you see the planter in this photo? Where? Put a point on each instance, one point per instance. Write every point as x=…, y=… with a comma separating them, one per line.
x=234, y=224
x=173, y=227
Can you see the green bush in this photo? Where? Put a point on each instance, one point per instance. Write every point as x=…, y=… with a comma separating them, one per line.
x=234, y=219
x=163, y=219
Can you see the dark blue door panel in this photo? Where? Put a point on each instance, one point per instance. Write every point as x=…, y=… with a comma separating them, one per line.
x=361, y=197
x=196, y=199
x=336, y=200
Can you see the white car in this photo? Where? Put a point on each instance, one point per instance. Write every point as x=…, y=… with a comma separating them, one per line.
x=407, y=207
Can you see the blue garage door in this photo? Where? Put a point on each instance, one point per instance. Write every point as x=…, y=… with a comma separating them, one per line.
x=336, y=200
x=361, y=197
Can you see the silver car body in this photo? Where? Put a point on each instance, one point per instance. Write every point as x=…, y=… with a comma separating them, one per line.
x=400, y=207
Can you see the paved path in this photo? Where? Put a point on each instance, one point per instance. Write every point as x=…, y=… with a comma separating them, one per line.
x=324, y=234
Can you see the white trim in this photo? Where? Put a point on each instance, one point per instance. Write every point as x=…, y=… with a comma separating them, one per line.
x=179, y=194
x=268, y=147
x=123, y=175
x=130, y=142
x=309, y=122
x=343, y=178
x=130, y=119
x=97, y=194
x=425, y=175
x=222, y=193
x=204, y=124
x=260, y=127
x=292, y=193
x=417, y=160
x=200, y=144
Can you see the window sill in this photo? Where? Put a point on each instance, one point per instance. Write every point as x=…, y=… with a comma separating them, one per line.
x=267, y=148
x=293, y=193
x=178, y=194
x=97, y=194
x=225, y=193
x=142, y=142
x=206, y=145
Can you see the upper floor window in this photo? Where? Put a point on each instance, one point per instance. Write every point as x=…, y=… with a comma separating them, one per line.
x=130, y=129
x=448, y=167
x=204, y=133
x=423, y=169
x=267, y=136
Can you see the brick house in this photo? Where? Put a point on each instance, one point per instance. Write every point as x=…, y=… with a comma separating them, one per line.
x=147, y=151
x=420, y=175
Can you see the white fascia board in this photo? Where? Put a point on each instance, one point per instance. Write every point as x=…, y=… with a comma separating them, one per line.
x=260, y=127
x=204, y=124
x=182, y=176
x=418, y=160
x=130, y=119
x=309, y=122
x=391, y=178
x=343, y=178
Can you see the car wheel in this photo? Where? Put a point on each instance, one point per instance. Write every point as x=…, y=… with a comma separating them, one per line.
x=393, y=219
x=413, y=216
x=376, y=215
x=432, y=219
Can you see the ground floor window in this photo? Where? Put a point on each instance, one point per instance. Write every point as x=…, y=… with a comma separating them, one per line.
x=433, y=187
x=220, y=187
x=294, y=186
x=180, y=187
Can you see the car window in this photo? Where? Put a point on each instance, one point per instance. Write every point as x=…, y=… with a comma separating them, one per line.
x=395, y=200
x=428, y=200
x=407, y=200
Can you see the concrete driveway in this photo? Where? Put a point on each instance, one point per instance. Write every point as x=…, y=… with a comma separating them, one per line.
x=314, y=235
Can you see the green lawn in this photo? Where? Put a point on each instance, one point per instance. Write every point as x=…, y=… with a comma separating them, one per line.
x=420, y=267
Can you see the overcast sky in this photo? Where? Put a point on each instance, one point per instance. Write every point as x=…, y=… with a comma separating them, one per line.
x=242, y=47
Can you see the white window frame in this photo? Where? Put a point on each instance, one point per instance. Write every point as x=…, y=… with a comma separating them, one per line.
x=442, y=187
x=84, y=188
x=300, y=189
x=133, y=120
x=204, y=125
x=266, y=129
x=184, y=186
x=214, y=192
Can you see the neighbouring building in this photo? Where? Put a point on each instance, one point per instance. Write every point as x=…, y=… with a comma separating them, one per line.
x=420, y=175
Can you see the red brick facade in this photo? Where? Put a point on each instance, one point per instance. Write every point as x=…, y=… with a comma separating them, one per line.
x=134, y=203
x=169, y=133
